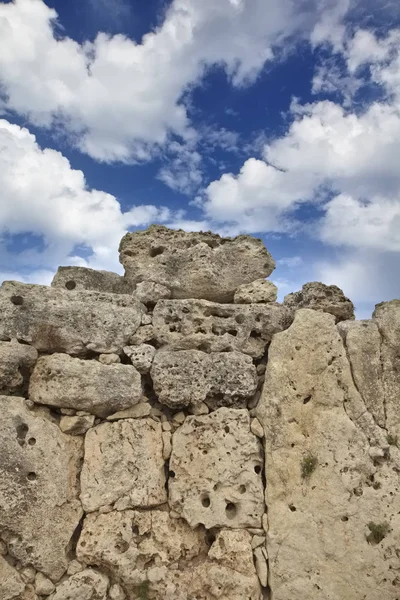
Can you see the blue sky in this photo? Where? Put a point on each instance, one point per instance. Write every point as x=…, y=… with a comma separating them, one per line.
x=278, y=118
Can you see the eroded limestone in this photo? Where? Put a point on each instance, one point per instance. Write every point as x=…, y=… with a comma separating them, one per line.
x=82, y=278
x=16, y=362
x=259, y=291
x=321, y=297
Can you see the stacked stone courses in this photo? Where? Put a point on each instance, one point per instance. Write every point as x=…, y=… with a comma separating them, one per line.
x=177, y=434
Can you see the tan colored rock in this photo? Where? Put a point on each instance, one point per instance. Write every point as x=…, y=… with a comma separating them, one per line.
x=109, y=359
x=74, y=567
x=211, y=327
x=167, y=446
x=123, y=465
x=136, y=412
x=116, y=592
x=12, y=587
x=257, y=428
x=216, y=462
x=43, y=585
x=194, y=265
x=83, y=278
x=16, y=362
x=332, y=482
x=190, y=377
x=157, y=557
x=326, y=298
x=39, y=507
x=76, y=425
x=59, y=380
x=141, y=356
x=28, y=574
x=54, y=321
x=86, y=585
x=261, y=565
x=149, y=292
x=259, y=291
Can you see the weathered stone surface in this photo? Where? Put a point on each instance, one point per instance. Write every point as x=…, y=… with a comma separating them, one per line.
x=16, y=361
x=82, y=278
x=141, y=356
x=149, y=292
x=217, y=464
x=259, y=291
x=211, y=327
x=59, y=380
x=156, y=557
x=43, y=585
x=109, y=359
x=77, y=425
x=194, y=265
x=12, y=587
x=136, y=412
x=86, y=585
x=54, y=321
x=326, y=298
x=39, y=508
x=124, y=465
x=332, y=480
x=189, y=377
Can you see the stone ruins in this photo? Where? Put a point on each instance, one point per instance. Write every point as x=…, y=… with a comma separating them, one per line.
x=176, y=434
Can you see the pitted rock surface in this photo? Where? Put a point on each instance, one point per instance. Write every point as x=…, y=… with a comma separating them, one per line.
x=86, y=585
x=326, y=298
x=82, y=278
x=211, y=327
x=217, y=467
x=190, y=377
x=194, y=265
x=39, y=506
x=53, y=320
x=259, y=291
x=123, y=465
x=12, y=586
x=66, y=382
x=16, y=362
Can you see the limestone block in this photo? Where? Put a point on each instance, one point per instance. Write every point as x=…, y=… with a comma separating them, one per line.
x=16, y=361
x=216, y=466
x=77, y=425
x=59, y=380
x=136, y=412
x=149, y=292
x=75, y=322
x=259, y=291
x=86, y=585
x=190, y=377
x=332, y=480
x=194, y=265
x=326, y=298
x=43, y=585
x=124, y=465
x=82, y=278
x=211, y=327
x=141, y=356
x=39, y=507
x=12, y=587
x=154, y=556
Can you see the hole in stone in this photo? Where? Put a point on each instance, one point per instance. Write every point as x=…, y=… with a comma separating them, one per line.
x=345, y=519
x=257, y=469
x=226, y=429
x=240, y=319
x=32, y=441
x=83, y=544
x=255, y=334
x=70, y=285
x=156, y=251
x=17, y=300
x=307, y=400
x=135, y=530
x=31, y=476
x=205, y=501
x=171, y=474
x=22, y=430
x=242, y=489
x=121, y=546
x=292, y=507
x=230, y=510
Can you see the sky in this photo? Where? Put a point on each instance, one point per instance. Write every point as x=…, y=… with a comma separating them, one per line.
x=275, y=118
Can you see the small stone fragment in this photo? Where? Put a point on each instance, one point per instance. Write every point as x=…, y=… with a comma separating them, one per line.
x=257, y=540
x=28, y=574
x=179, y=418
x=86, y=585
x=141, y=356
x=116, y=592
x=147, y=319
x=149, y=292
x=321, y=297
x=59, y=380
x=261, y=566
x=167, y=445
x=257, y=428
x=74, y=567
x=199, y=409
x=109, y=359
x=11, y=584
x=76, y=425
x=138, y=411
x=259, y=291
x=43, y=585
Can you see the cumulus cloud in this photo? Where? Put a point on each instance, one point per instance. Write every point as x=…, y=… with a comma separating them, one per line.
x=42, y=194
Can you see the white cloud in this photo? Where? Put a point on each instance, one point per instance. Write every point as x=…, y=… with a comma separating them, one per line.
x=40, y=193
x=116, y=99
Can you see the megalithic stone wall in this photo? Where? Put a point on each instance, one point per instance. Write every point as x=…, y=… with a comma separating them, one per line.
x=176, y=434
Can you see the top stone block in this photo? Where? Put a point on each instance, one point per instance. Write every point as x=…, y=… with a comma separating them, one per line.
x=194, y=265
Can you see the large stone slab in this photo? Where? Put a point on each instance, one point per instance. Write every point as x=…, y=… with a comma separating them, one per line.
x=194, y=265
x=82, y=278
x=123, y=465
x=16, y=362
x=332, y=476
x=154, y=557
x=190, y=377
x=39, y=506
x=212, y=327
x=216, y=466
x=66, y=382
x=54, y=320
